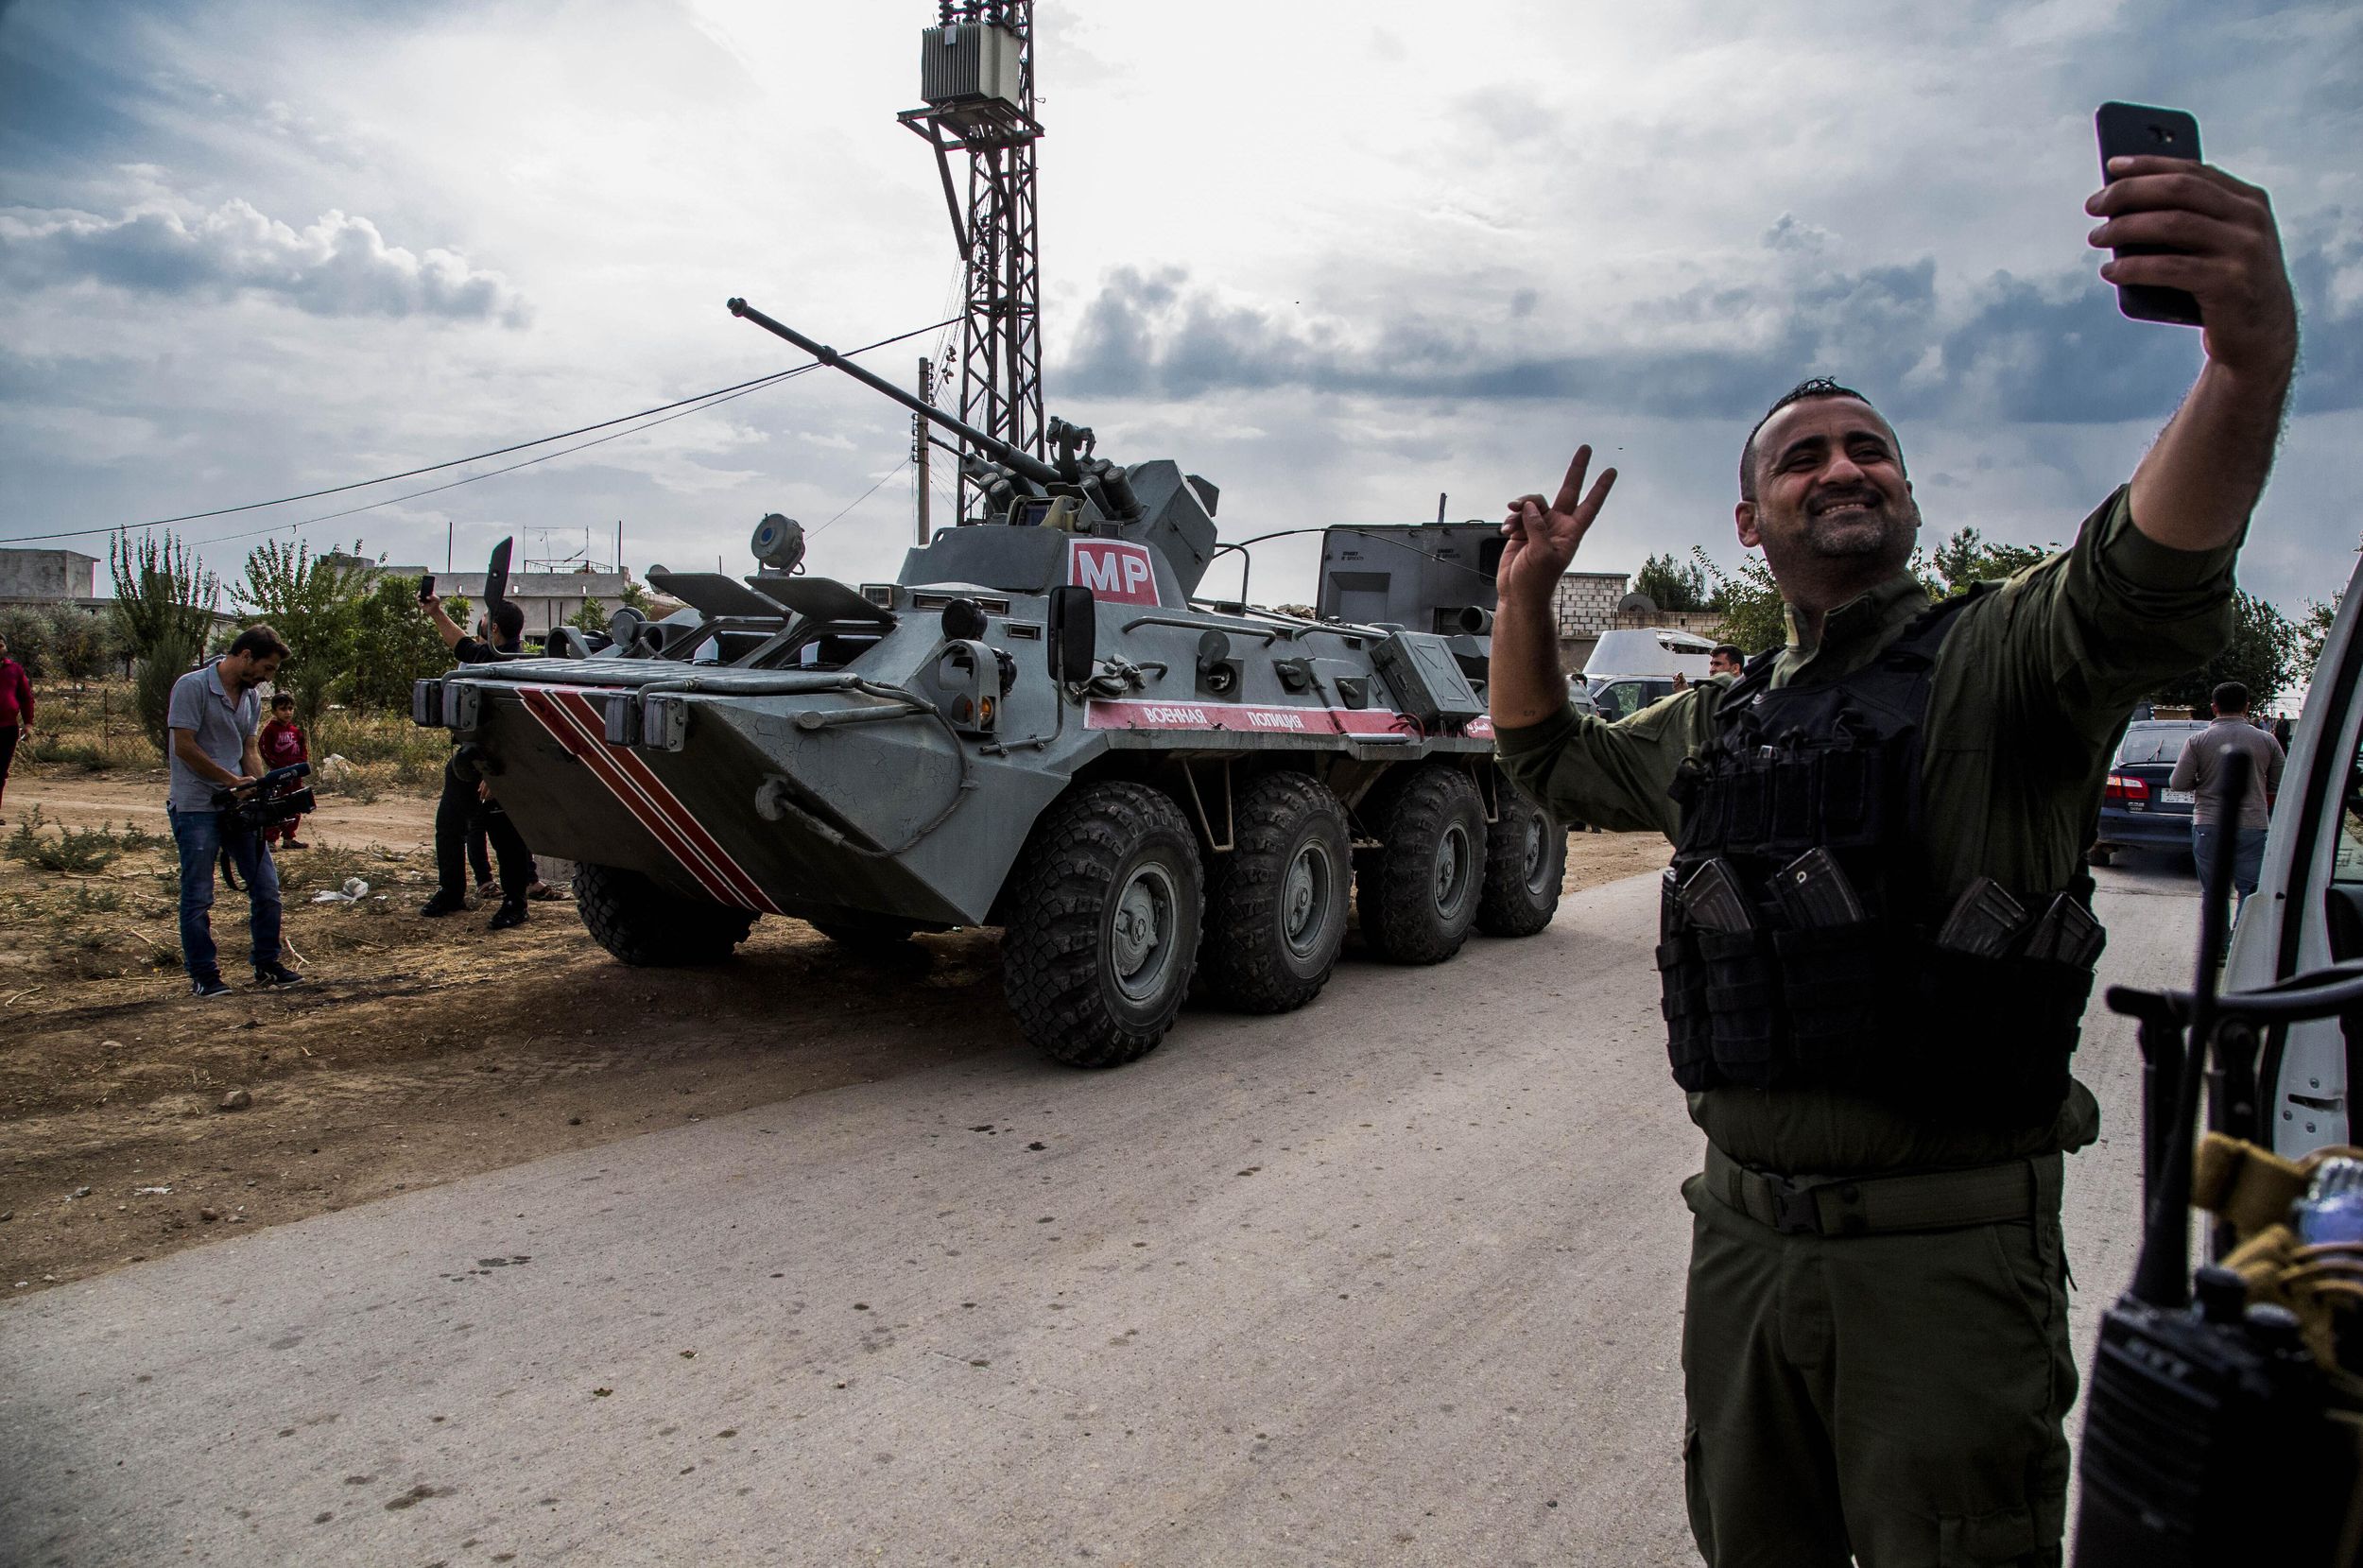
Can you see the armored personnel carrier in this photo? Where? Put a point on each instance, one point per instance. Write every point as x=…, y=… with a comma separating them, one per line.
x=1035, y=726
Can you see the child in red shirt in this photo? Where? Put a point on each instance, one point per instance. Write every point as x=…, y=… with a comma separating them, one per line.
x=283, y=743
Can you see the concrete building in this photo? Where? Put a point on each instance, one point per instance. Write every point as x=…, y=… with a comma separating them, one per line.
x=548, y=598
x=1587, y=605
x=48, y=576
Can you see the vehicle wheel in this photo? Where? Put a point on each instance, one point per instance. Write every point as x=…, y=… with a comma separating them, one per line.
x=644, y=923
x=866, y=933
x=1418, y=891
x=2099, y=855
x=1526, y=859
x=1103, y=927
x=1276, y=905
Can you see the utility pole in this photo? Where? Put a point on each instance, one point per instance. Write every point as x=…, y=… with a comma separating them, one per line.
x=919, y=442
x=977, y=74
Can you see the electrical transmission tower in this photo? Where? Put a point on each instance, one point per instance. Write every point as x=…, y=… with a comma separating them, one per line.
x=977, y=74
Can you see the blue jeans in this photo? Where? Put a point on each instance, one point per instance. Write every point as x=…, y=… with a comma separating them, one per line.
x=201, y=841
x=2248, y=863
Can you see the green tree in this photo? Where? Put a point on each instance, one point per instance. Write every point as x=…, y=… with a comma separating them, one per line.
x=1671, y=584
x=26, y=632
x=164, y=607
x=591, y=618
x=1969, y=557
x=2314, y=628
x=394, y=645
x=637, y=597
x=161, y=595
x=1749, y=601
x=79, y=642
x=2261, y=656
x=315, y=605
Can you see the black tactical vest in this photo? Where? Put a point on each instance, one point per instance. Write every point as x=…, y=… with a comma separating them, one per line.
x=1874, y=1004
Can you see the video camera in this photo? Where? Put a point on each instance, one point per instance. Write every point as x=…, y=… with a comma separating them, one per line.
x=279, y=796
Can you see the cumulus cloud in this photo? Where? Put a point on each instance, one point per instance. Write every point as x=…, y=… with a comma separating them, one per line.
x=1710, y=350
x=2042, y=351
x=338, y=265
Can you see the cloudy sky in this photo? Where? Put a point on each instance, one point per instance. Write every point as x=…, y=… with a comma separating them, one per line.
x=1338, y=258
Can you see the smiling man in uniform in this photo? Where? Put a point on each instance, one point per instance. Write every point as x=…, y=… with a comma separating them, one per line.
x=1875, y=1346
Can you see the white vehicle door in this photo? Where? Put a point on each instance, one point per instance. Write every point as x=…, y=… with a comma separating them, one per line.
x=2308, y=910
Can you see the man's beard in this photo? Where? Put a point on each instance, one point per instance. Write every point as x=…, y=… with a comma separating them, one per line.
x=1878, y=528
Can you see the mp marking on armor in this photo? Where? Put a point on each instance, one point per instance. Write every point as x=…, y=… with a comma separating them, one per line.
x=1113, y=569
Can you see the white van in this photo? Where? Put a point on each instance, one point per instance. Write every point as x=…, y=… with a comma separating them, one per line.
x=2306, y=913
x=1628, y=670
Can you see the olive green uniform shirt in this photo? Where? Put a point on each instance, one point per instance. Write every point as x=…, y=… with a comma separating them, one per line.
x=2032, y=690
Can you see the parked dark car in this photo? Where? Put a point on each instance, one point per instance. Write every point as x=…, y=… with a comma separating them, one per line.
x=2137, y=810
x=1625, y=694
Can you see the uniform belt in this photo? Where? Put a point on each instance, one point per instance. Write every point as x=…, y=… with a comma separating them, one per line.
x=1870, y=1205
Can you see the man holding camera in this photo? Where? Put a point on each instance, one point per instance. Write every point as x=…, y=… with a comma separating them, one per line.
x=1876, y=941
x=215, y=722
x=467, y=795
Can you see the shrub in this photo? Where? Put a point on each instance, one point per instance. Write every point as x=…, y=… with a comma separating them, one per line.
x=394, y=643
x=151, y=690
x=81, y=849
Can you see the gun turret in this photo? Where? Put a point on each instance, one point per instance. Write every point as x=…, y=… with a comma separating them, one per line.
x=1153, y=504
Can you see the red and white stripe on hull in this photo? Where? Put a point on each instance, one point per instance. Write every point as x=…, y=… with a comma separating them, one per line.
x=577, y=725
x=1274, y=719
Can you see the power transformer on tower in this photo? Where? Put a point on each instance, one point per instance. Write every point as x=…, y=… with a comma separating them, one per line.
x=976, y=75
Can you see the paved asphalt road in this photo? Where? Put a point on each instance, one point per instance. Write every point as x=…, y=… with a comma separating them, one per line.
x=1394, y=1279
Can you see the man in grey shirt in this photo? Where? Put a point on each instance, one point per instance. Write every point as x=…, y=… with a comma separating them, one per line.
x=2199, y=768
x=214, y=720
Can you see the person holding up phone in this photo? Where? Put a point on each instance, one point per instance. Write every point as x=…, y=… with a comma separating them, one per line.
x=467, y=800
x=1874, y=1348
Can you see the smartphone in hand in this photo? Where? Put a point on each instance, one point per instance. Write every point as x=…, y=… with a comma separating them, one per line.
x=2135, y=130
x=427, y=587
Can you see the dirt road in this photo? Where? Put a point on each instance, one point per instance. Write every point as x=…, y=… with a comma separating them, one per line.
x=1395, y=1280
x=424, y=1051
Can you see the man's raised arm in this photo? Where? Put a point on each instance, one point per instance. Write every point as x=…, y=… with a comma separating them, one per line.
x=1526, y=685
x=2196, y=486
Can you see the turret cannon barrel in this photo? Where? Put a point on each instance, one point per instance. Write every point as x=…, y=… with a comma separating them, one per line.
x=1015, y=459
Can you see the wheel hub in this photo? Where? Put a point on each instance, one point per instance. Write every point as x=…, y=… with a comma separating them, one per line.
x=1451, y=870
x=1538, y=854
x=1305, y=897
x=1142, y=931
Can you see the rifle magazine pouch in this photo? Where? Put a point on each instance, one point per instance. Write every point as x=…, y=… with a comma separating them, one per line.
x=1689, y=1033
x=1743, y=1005
x=1833, y=986
x=1998, y=1033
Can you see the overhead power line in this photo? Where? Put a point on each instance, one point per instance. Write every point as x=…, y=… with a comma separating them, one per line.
x=687, y=405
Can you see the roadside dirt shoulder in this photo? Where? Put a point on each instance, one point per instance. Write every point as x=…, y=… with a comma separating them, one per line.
x=422, y=1051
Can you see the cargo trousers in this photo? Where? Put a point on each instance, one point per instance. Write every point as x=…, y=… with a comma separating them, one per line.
x=1893, y=1399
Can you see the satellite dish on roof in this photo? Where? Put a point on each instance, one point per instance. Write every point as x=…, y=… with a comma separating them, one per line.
x=1637, y=604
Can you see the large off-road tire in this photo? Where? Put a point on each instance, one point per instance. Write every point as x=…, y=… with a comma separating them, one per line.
x=1418, y=890
x=1104, y=918
x=1526, y=860
x=1276, y=905
x=866, y=933
x=642, y=924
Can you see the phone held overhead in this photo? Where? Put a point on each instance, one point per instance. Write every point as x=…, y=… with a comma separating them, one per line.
x=2136, y=130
